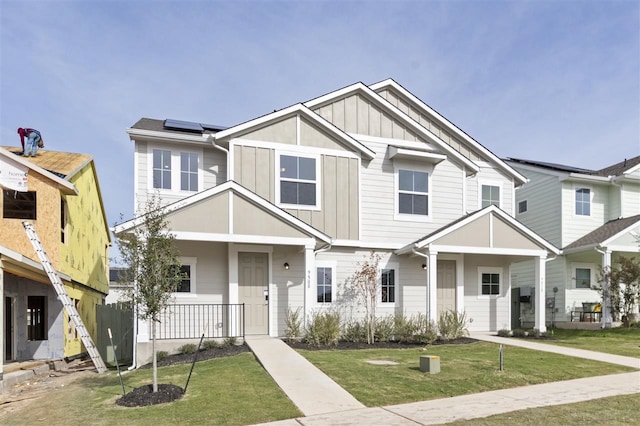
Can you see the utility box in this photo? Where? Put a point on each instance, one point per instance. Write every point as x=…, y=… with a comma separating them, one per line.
x=430, y=364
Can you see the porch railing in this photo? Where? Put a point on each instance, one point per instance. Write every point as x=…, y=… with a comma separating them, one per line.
x=188, y=321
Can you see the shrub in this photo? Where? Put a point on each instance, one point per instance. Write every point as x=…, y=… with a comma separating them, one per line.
x=210, y=344
x=354, y=331
x=230, y=341
x=404, y=329
x=160, y=355
x=535, y=333
x=324, y=329
x=505, y=333
x=426, y=331
x=293, y=323
x=520, y=333
x=452, y=325
x=188, y=348
x=384, y=329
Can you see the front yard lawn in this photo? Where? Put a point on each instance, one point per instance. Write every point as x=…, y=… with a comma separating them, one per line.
x=467, y=368
x=617, y=341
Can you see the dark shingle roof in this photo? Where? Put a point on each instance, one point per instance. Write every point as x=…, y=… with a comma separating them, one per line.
x=619, y=168
x=604, y=232
x=614, y=170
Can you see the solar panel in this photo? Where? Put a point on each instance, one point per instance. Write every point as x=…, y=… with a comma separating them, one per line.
x=186, y=126
x=213, y=127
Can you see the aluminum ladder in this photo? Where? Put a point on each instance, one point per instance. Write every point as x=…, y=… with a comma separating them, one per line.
x=64, y=298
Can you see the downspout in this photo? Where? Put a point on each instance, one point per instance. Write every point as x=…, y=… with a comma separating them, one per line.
x=323, y=249
x=211, y=139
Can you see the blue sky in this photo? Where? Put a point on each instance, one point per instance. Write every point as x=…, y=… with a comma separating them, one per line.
x=542, y=80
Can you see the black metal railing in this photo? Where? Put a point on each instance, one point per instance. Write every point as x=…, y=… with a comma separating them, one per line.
x=190, y=321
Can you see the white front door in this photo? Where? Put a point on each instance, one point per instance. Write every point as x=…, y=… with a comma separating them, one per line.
x=253, y=288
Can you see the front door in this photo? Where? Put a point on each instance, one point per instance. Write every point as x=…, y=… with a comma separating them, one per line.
x=8, y=328
x=253, y=287
x=446, y=294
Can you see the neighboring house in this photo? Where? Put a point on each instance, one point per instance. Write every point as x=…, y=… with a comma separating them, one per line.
x=277, y=212
x=59, y=194
x=594, y=215
x=117, y=289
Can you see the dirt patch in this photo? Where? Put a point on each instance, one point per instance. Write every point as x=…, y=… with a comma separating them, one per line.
x=203, y=354
x=144, y=395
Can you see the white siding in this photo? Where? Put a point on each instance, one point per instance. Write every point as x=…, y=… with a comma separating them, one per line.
x=491, y=176
x=211, y=272
x=630, y=199
x=576, y=226
x=287, y=286
x=542, y=193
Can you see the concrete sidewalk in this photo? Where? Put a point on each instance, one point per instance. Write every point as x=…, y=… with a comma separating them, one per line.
x=276, y=355
x=312, y=391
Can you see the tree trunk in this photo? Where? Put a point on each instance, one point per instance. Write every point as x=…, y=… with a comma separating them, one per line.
x=155, y=358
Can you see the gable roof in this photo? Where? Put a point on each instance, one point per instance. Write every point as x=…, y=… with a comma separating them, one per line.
x=469, y=219
x=297, y=109
x=392, y=110
x=62, y=164
x=390, y=84
x=618, y=169
x=231, y=186
x=605, y=233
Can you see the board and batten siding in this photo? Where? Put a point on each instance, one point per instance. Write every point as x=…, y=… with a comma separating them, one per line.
x=254, y=168
x=433, y=124
x=541, y=192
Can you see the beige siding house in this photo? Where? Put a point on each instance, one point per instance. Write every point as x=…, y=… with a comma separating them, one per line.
x=594, y=215
x=276, y=212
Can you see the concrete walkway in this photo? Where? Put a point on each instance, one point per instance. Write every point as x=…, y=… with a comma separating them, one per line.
x=277, y=359
x=312, y=391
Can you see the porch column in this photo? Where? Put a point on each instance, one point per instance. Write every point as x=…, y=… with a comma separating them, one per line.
x=309, y=281
x=432, y=287
x=605, y=318
x=540, y=301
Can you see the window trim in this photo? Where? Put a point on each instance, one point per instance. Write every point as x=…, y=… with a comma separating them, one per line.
x=408, y=217
x=334, y=266
x=574, y=276
x=396, y=279
x=491, y=270
x=489, y=182
x=318, y=181
x=176, y=169
x=576, y=188
x=191, y=262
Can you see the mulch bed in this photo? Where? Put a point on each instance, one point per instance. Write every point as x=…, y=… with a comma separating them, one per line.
x=144, y=395
x=204, y=354
x=377, y=345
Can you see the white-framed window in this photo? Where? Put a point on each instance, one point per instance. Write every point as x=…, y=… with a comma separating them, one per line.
x=522, y=206
x=177, y=171
x=583, y=201
x=188, y=268
x=412, y=192
x=490, y=281
x=388, y=289
x=489, y=192
x=298, y=181
x=583, y=275
x=325, y=281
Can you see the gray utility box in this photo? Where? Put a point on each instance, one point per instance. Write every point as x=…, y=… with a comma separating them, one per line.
x=430, y=364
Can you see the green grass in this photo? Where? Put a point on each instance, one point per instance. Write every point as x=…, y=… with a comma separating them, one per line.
x=613, y=411
x=233, y=390
x=618, y=341
x=465, y=369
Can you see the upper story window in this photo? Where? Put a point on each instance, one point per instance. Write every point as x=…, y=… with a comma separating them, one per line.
x=413, y=192
x=64, y=220
x=176, y=170
x=490, y=194
x=583, y=202
x=161, y=169
x=522, y=207
x=298, y=181
x=189, y=171
x=18, y=205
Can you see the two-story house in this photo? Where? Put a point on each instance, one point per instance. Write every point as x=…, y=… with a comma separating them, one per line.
x=593, y=215
x=277, y=212
x=59, y=194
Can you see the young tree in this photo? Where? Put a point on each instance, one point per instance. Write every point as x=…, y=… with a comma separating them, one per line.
x=365, y=281
x=152, y=265
x=621, y=284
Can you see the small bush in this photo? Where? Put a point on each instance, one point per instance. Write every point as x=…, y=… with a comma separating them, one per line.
x=505, y=333
x=293, y=323
x=384, y=329
x=230, y=341
x=188, y=348
x=323, y=329
x=404, y=329
x=160, y=355
x=520, y=333
x=452, y=325
x=354, y=331
x=426, y=332
x=210, y=344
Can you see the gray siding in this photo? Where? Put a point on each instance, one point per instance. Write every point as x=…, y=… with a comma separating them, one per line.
x=576, y=226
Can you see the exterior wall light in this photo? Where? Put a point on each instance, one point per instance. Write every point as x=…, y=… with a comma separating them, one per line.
x=286, y=265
